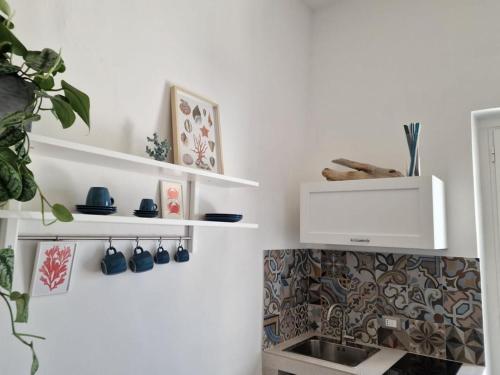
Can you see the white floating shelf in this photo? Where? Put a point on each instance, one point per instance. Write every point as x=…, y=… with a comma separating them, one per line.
x=113, y=219
x=57, y=148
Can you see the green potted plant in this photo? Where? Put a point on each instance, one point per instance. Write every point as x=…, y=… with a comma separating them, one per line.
x=27, y=89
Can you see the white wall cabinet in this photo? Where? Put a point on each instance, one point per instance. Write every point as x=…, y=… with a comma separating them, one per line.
x=406, y=212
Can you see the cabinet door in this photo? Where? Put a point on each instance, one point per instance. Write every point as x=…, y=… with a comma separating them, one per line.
x=385, y=212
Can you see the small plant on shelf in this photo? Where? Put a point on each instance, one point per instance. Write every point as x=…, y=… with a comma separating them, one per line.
x=28, y=88
x=157, y=149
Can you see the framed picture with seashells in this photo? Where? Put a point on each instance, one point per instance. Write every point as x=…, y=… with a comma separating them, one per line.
x=196, y=131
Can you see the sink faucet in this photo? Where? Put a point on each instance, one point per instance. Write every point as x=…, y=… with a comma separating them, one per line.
x=343, y=332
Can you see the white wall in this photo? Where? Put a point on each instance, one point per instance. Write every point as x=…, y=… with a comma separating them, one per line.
x=377, y=65
x=198, y=318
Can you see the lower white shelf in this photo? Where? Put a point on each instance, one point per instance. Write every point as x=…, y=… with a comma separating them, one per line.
x=113, y=219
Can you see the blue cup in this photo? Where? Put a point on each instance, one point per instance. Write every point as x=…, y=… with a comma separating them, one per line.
x=141, y=261
x=182, y=255
x=114, y=262
x=162, y=256
x=99, y=196
x=148, y=205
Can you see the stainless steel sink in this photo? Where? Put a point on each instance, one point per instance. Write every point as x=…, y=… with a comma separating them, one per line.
x=329, y=350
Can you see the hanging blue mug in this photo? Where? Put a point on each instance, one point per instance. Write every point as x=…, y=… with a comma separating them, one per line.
x=182, y=255
x=162, y=256
x=141, y=261
x=114, y=262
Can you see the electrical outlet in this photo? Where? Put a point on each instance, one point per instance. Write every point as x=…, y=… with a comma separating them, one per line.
x=391, y=323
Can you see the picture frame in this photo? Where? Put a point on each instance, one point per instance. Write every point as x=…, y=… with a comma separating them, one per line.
x=172, y=200
x=53, y=268
x=196, y=131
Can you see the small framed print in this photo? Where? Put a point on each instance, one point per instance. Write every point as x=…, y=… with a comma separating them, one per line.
x=196, y=131
x=172, y=201
x=53, y=268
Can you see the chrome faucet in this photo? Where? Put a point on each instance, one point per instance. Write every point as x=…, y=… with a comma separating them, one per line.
x=343, y=332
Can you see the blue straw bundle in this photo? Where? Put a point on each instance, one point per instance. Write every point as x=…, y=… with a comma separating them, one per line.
x=412, y=132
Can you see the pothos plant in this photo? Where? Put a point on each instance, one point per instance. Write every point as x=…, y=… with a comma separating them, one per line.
x=36, y=71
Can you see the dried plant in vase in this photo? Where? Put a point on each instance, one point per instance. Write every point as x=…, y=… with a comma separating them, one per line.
x=158, y=150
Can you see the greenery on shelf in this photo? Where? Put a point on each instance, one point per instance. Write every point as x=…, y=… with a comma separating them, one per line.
x=159, y=149
x=36, y=72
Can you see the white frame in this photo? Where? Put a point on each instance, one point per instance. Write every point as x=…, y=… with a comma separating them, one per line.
x=39, y=249
x=163, y=200
x=431, y=215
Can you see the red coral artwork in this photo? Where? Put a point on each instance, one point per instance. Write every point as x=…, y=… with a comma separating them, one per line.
x=54, y=269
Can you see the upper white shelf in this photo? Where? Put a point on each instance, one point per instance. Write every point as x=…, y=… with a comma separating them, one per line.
x=112, y=219
x=58, y=148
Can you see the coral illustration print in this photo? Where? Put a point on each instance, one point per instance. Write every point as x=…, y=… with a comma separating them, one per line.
x=53, y=268
x=196, y=131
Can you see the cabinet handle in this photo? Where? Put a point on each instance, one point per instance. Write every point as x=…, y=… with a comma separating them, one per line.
x=360, y=240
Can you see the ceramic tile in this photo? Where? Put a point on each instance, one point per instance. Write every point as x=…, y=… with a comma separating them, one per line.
x=395, y=339
x=363, y=327
x=361, y=268
x=424, y=272
x=427, y=338
x=425, y=304
x=333, y=326
x=314, y=317
x=463, y=309
x=314, y=291
x=333, y=291
x=391, y=269
x=461, y=274
x=465, y=345
x=364, y=299
x=315, y=263
x=272, y=300
x=293, y=322
x=333, y=263
x=294, y=291
x=273, y=265
x=271, y=335
x=393, y=300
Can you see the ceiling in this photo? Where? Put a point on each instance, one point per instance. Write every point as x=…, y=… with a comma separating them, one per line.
x=318, y=4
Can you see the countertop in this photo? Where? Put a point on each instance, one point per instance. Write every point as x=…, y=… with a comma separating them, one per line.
x=377, y=364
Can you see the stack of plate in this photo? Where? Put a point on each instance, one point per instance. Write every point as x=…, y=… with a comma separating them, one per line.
x=227, y=218
x=145, y=213
x=95, y=210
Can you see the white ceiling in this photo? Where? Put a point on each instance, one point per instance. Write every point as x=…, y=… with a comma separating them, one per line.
x=318, y=4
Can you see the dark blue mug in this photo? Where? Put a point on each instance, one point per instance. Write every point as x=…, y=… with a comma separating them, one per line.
x=141, y=261
x=114, y=262
x=99, y=196
x=148, y=205
x=162, y=256
x=182, y=255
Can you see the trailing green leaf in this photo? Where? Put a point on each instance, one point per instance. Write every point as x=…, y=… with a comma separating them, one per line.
x=22, y=302
x=34, y=364
x=29, y=185
x=79, y=101
x=44, y=82
x=42, y=61
x=18, y=118
x=63, y=111
x=11, y=135
x=6, y=268
x=10, y=178
x=6, y=36
x=6, y=68
x=5, y=8
x=61, y=213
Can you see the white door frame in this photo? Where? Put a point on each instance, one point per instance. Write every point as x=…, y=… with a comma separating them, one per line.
x=484, y=124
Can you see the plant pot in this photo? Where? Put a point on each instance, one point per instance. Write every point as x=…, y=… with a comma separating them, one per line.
x=16, y=94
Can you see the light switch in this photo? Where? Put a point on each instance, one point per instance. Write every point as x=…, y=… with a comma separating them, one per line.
x=391, y=323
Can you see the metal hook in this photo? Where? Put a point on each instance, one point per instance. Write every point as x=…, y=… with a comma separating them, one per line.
x=110, y=240
x=57, y=238
x=137, y=241
x=180, y=241
x=159, y=242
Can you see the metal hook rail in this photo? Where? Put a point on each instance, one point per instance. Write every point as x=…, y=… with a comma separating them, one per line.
x=27, y=237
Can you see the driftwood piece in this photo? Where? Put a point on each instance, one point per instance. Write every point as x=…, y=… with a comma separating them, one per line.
x=363, y=171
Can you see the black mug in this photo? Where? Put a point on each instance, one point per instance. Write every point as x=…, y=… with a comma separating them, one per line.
x=182, y=255
x=141, y=261
x=162, y=256
x=114, y=262
x=148, y=205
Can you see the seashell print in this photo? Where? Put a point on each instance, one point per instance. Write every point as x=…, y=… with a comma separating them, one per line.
x=184, y=139
x=204, y=112
x=210, y=120
x=212, y=161
x=188, y=126
x=197, y=114
x=184, y=107
x=202, y=165
x=187, y=159
x=212, y=145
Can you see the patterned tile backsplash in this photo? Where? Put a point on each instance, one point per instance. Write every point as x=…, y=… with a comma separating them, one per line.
x=437, y=300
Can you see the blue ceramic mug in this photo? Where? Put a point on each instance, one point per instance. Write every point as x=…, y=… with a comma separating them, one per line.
x=141, y=261
x=148, y=205
x=114, y=262
x=182, y=255
x=99, y=196
x=162, y=256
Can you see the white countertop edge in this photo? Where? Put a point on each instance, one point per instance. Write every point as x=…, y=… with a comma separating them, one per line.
x=377, y=364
